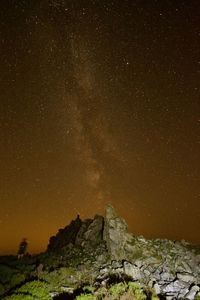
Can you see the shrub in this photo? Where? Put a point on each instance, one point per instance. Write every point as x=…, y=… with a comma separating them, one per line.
x=88, y=289
x=59, y=277
x=10, y=278
x=17, y=279
x=118, y=289
x=36, y=289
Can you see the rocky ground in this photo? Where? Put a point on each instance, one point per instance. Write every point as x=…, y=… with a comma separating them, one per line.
x=99, y=253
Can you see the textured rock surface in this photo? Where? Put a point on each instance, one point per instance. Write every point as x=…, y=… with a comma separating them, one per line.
x=104, y=245
x=115, y=235
x=87, y=233
x=94, y=233
x=65, y=236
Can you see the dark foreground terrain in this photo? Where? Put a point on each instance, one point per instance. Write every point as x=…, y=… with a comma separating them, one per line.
x=98, y=259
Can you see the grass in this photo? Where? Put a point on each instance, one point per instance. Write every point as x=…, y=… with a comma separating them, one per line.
x=120, y=291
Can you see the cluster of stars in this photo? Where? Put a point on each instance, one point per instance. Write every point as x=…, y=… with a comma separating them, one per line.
x=99, y=103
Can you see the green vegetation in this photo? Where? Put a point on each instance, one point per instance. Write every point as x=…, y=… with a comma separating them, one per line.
x=58, y=277
x=126, y=291
x=31, y=290
x=86, y=297
x=88, y=289
x=136, y=290
x=37, y=289
x=27, y=283
x=10, y=278
x=19, y=297
x=120, y=291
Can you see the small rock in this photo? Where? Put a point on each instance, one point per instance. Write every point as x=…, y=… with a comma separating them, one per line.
x=116, y=264
x=147, y=273
x=139, y=263
x=132, y=271
x=186, y=277
x=174, y=287
x=165, y=276
x=156, y=288
x=192, y=293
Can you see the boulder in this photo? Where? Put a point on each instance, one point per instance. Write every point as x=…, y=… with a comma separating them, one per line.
x=94, y=233
x=115, y=234
x=80, y=239
x=65, y=236
x=192, y=293
x=156, y=288
x=186, y=277
x=174, y=288
x=132, y=271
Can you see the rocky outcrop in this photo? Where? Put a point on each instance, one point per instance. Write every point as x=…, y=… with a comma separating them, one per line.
x=94, y=233
x=166, y=284
x=90, y=233
x=172, y=268
x=87, y=233
x=102, y=251
x=115, y=235
x=65, y=236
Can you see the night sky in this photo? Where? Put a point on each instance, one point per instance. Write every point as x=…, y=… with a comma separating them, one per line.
x=99, y=103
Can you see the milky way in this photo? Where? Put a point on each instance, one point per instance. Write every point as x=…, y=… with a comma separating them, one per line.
x=99, y=104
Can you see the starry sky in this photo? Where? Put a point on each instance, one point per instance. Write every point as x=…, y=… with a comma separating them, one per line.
x=99, y=103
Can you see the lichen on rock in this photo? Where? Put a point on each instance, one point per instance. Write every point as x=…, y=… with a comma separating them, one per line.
x=115, y=234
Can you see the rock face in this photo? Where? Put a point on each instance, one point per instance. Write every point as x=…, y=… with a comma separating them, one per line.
x=65, y=236
x=80, y=233
x=94, y=231
x=115, y=234
x=172, y=268
x=91, y=232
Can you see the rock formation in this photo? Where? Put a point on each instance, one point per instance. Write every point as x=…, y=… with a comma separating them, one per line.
x=102, y=251
x=115, y=235
x=65, y=236
x=172, y=268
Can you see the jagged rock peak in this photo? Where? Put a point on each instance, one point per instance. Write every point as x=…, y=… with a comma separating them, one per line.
x=115, y=234
x=84, y=233
x=111, y=214
x=65, y=235
x=172, y=268
x=91, y=232
x=110, y=229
